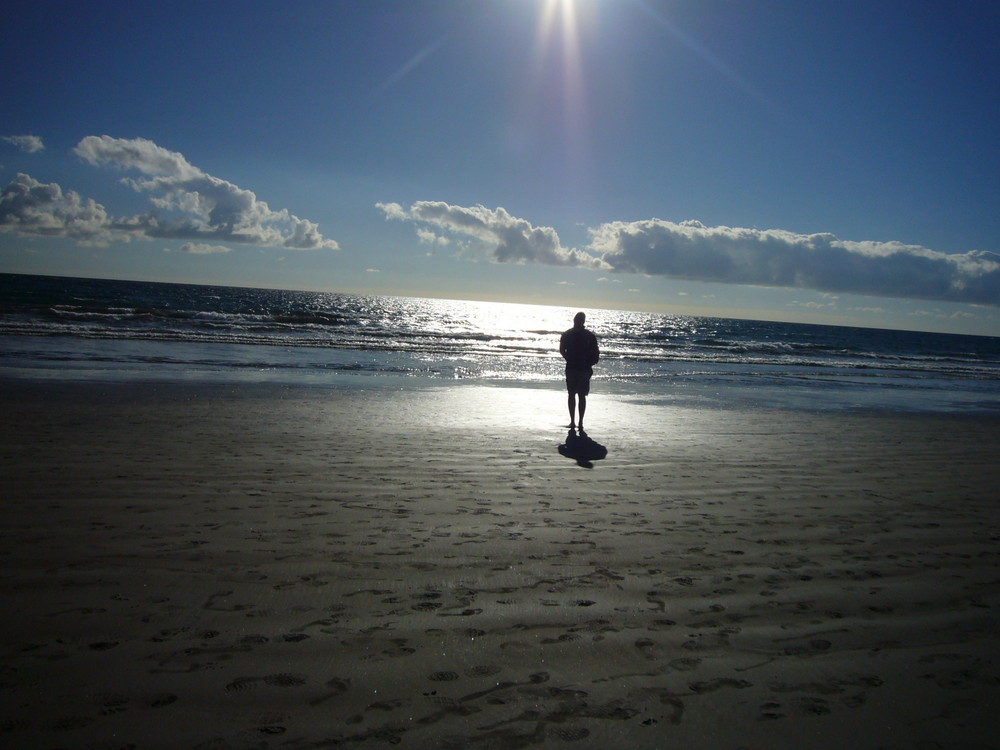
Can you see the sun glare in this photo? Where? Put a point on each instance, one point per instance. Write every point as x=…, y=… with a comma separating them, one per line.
x=559, y=26
x=557, y=84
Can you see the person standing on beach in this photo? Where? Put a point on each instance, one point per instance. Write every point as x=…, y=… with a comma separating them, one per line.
x=578, y=347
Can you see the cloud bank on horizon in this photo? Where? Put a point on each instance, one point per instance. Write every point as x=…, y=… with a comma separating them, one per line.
x=209, y=213
x=691, y=251
x=188, y=203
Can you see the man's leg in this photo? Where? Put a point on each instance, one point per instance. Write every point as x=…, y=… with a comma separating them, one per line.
x=583, y=409
x=572, y=408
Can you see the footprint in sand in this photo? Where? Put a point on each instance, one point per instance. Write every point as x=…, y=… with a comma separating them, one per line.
x=571, y=734
x=706, y=642
x=485, y=670
x=812, y=706
x=253, y=640
x=813, y=647
x=337, y=687
x=68, y=723
x=658, y=598
x=389, y=705
x=649, y=649
x=710, y=686
x=685, y=663
x=240, y=684
x=284, y=680
x=661, y=624
x=113, y=704
x=160, y=700
x=770, y=711
x=398, y=649
x=464, y=613
x=443, y=676
x=564, y=638
x=275, y=680
x=855, y=701
x=667, y=698
x=165, y=635
x=427, y=595
x=515, y=646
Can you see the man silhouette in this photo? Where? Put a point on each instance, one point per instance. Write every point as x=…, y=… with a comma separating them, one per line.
x=578, y=347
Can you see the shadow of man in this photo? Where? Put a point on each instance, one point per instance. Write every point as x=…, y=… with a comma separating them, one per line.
x=582, y=449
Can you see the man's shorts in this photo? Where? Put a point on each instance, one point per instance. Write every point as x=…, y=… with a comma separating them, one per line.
x=578, y=381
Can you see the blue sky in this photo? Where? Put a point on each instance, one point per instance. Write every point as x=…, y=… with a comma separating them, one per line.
x=779, y=159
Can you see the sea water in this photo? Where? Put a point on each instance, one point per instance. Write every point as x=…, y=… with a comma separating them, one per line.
x=88, y=328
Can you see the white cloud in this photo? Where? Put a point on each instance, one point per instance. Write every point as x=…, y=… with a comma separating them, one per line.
x=206, y=207
x=812, y=305
x=201, y=208
x=29, y=143
x=43, y=209
x=428, y=237
x=730, y=255
x=197, y=248
x=778, y=258
x=876, y=310
x=506, y=238
x=137, y=153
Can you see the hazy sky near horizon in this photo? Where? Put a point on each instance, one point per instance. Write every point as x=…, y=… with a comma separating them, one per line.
x=805, y=161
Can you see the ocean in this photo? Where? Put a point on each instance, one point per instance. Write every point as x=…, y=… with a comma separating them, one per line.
x=55, y=327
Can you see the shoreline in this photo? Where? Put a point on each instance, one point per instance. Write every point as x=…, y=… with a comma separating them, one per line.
x=704, y=390
x=261, y=565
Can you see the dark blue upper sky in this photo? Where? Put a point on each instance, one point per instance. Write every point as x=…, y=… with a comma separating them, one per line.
x=786, y=159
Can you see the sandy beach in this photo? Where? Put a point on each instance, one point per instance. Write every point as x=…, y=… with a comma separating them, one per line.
x=248, y=566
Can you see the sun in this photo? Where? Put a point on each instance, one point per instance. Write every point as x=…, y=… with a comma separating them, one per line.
x=565, y=10
x=558, y=43
x=559, y=21
x=553, y=117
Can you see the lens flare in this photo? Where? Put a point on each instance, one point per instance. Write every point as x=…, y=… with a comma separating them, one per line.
x=559, y=37
x=555, y=107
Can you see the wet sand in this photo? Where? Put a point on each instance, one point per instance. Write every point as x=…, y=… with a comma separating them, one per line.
x=209, y=566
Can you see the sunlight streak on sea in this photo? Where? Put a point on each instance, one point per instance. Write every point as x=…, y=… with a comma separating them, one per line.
x=60, y=327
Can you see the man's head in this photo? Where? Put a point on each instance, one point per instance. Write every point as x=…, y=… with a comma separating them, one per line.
x=579, y=319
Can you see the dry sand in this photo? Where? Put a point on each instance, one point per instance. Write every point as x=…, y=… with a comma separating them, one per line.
x=200, y=566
